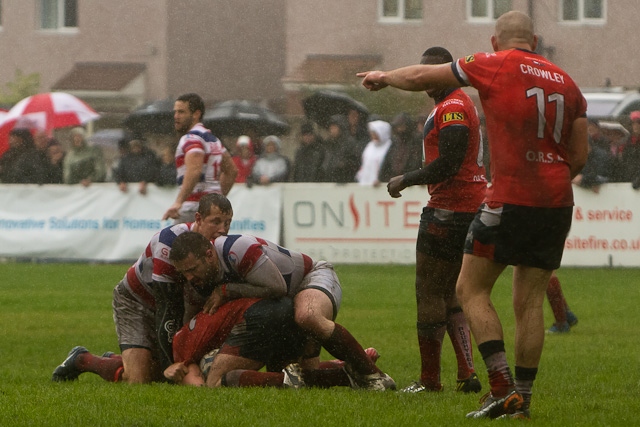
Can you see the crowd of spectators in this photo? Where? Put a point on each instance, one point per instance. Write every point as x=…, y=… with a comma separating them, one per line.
x=614, y=154
x=349, y=150
x=34, y=157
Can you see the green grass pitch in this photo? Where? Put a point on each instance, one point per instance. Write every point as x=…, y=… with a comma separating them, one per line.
x=589, y=377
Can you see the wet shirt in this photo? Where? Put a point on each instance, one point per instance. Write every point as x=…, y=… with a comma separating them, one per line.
x=200, y=139
x=530, y=106
x=208, y=331
x=154, y=265
x=464, y=191
x=240, y=255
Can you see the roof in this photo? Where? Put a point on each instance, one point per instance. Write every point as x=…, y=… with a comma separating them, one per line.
x=332, y=68
x=100, y=76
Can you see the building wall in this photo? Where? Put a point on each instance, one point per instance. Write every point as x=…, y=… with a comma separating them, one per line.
x=107, y=31
x=593, y=53
x=590, y=53
x=219, y=49
x=226, y=50
x=242, y=49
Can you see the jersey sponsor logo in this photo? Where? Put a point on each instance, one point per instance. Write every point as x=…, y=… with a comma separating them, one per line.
x=469, y=58
x=453, y=117
x=541, y=157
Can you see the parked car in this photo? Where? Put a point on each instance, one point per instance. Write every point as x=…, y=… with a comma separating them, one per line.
x=611, y=103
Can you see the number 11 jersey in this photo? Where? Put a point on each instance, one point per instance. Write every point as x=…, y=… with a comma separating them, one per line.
x=530, y=105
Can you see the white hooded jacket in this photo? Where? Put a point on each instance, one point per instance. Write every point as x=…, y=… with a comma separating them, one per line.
x=374, y=153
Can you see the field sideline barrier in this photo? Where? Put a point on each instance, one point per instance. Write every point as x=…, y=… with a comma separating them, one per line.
x=344, y=224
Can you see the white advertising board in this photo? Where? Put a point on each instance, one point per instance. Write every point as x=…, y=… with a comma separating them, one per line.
x=343, y=224
x=354, y=224
x=100, y=223
x=606, y=228
x=351, y=223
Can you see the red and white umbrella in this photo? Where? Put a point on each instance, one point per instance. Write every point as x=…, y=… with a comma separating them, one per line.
x=45, y=111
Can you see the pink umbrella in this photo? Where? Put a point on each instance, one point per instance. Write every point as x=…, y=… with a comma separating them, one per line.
x=45, y=111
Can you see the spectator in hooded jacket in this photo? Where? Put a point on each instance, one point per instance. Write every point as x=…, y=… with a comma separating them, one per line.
x=245, y=158
x=271, y=166
x=374, y=153
x=83, y=163
x=342, y=156
x=308, y=159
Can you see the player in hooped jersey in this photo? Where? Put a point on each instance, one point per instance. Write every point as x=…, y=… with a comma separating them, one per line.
x=203, y=164
x=455, y=175
x=537, y=131
x=149, y=286
x=242, y=266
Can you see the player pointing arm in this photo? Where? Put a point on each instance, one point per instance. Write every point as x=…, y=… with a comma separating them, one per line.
x=536, y=128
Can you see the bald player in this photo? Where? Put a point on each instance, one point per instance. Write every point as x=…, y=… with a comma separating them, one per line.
x=537, y=132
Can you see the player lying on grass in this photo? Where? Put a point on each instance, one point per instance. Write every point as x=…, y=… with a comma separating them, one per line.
x=147, y=288
x=241, y=266
x=248, y=334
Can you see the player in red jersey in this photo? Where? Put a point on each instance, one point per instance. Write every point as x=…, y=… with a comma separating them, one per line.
x=248, y=333
x=537, y=131
x=455, y=175
x=203, y=164
x=242, y=266
x=149, y=305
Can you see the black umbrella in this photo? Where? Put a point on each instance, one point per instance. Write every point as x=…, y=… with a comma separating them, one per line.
x=154, y=117
x=323, y=104
x=234, y=118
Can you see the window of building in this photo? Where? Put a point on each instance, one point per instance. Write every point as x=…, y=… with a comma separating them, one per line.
x=400, y=10
x=58, y=14
x=583, y=10
x=487, y=10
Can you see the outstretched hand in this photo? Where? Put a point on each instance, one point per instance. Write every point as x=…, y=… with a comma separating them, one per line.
x=373, y=80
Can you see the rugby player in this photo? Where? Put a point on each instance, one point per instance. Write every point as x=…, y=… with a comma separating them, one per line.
x=455, y=176
x=241, y=266
x=149, y=285
x=203, y=164
x=537, y=131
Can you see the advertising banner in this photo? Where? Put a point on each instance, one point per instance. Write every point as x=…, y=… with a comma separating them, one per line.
x=100, y=223
x=353, y=224
x=343, y=224
x=605, y=228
